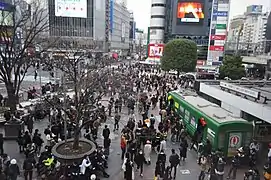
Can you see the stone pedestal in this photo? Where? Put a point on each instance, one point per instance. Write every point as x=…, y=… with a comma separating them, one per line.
x=64, y=153
x=12, y=129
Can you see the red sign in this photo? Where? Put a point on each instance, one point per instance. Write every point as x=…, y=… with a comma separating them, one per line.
x=218, y=37
x=216, y=48
x=200, y=62
x=156, y=50
x=234, y=140
x=188, y=9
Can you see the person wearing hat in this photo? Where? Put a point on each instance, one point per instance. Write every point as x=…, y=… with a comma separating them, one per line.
x=93, y=177
x=13, y=170
x=147, y=152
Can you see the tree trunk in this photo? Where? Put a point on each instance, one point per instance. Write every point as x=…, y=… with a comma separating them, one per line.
x=76, y=139
x=12, y=97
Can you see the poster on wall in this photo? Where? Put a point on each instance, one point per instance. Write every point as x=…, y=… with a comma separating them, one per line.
x=71, y=8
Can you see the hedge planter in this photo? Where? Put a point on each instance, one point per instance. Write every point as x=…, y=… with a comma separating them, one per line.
x=64, y=152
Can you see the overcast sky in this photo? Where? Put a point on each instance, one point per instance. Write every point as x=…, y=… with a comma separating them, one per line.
x=142, y=9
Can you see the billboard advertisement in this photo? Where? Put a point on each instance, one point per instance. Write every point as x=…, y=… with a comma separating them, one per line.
x=218, y=32
x=71, y=8
x=190, y=17
x=155, y=50
x=255, y=9
x=190, y=12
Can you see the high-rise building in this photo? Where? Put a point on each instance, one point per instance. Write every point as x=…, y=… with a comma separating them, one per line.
x=80, y=22
x=248, y=31
x=268, y=36
x=218, y=32
x=157, y=24
x=120, y=27
x=183, y=22
x=132, y=26
x=235, y=32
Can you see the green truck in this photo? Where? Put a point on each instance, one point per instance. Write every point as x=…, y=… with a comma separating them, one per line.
x=225, y=131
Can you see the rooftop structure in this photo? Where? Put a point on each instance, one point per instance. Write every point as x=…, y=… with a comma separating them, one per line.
x=243, y=98
x=212, y=110
x=257, y=91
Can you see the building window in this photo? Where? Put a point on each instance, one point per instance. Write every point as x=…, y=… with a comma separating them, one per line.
x=158, y=16
x=158, y=5
x=154, y=27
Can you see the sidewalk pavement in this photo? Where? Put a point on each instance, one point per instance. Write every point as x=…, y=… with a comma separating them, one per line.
x=189, y=170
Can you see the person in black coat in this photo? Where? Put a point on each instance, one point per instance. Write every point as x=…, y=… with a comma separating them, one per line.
x=27, y=139
x=161, y=163
x=30, y=124
x=38, y=142
x=106, y=132
x=55, y=130
x=47, y=131
x=129, y=170
x=13, y=170
x=1, y=144
x=167, y=174
x=183, y=149
x=20, y=141
x=139, y=160
x=132, y=149
x=207, y=149
x=107, y=143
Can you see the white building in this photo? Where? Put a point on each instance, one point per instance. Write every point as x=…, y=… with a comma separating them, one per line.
x=254, y=32
x=120, y=29
x=122, y=2
x=157, y=24
x=252, y=37
x=236, y=24
x=140, y=38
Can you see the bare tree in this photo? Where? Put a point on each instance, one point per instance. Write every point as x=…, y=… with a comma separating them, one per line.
x=87, y=75
x=23, y=31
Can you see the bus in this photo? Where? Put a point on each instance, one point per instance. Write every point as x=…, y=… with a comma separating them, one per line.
x=199, y=75
x=209, y=121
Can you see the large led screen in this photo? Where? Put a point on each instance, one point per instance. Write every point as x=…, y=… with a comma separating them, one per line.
x=71, y=8
x=190, y=12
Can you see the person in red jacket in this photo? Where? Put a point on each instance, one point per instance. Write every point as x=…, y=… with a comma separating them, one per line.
x=123, y=144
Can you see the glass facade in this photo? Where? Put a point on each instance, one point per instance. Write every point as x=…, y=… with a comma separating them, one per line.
x=70, y=26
